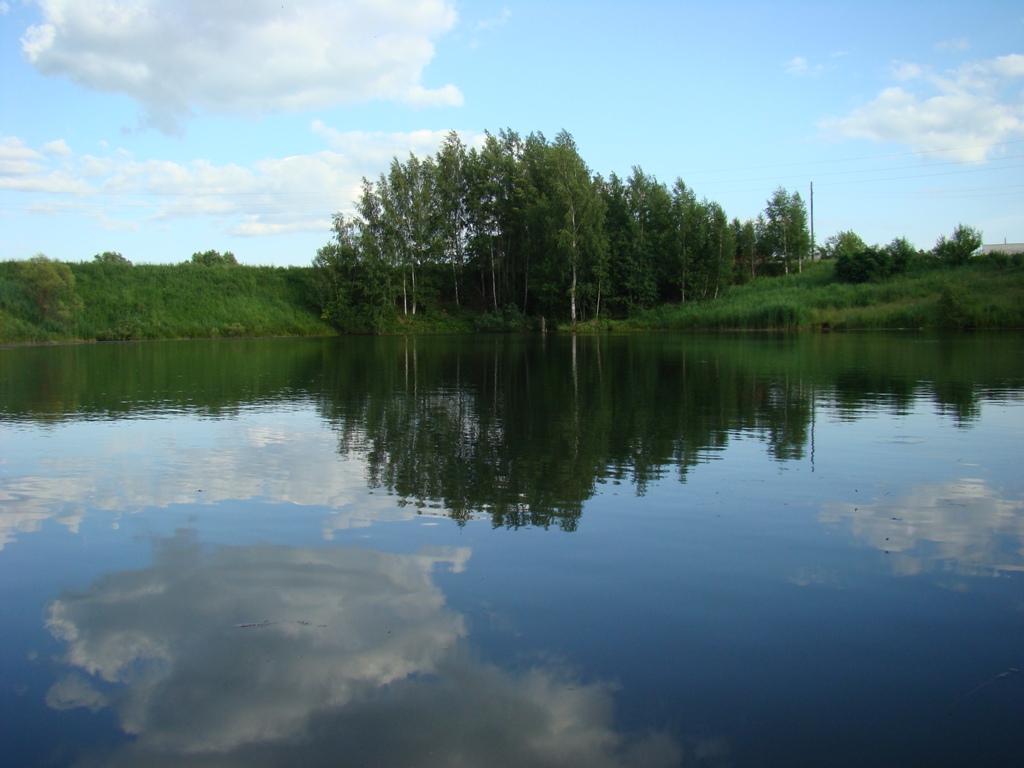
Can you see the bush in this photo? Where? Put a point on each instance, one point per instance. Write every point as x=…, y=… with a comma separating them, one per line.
x=867, y=265
x=956, y=306
x=506, y=319
x=51, y=285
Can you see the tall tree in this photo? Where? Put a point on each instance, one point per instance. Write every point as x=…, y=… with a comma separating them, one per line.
x=579, y=219
x=650, y=207
x=685, y=236
x=451, y=190
x=745, y=238
x=784, y=232
x=719, y=246
x=411, y=218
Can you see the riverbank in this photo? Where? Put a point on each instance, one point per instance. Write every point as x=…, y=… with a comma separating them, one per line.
x=120, y=302
x=982, y=295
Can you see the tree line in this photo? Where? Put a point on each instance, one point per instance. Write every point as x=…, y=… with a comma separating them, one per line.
x=523, y=228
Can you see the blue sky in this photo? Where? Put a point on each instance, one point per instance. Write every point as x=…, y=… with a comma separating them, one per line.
x=158, y=128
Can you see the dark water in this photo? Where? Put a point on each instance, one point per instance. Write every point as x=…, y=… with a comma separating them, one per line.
x=627, y=551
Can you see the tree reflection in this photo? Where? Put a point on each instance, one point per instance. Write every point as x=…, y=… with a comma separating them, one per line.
x=523, y=429
x=523, y=432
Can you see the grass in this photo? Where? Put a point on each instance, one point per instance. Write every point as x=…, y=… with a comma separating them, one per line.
x=981, y=295
x=182, y=301
x=187, y=301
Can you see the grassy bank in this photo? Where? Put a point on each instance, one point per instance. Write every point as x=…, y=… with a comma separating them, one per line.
x=147, y=301
x=986, y=294
x=106, y=302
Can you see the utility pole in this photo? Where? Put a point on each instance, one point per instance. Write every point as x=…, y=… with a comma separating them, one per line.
x=812, y=221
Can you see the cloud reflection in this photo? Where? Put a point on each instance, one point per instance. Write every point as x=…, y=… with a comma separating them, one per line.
x=275, y=457
x=963, y=526
x=276, y=655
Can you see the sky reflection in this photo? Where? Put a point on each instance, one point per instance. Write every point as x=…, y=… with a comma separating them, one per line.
x=964, y=526
x=81, y=467
x=266, y=655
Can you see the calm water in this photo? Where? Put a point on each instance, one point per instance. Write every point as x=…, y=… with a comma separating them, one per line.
x=637, y=551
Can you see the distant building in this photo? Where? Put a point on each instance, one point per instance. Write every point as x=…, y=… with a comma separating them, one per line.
x=1007, y=248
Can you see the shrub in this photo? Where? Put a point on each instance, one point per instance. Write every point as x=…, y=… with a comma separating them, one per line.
x=956, y=306
x=51, y=285
x=868, y=264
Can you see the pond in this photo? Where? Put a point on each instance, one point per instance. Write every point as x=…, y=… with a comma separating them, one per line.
x=644, y=550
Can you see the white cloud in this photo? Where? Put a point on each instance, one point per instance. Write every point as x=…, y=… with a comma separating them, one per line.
x=278, y=195
x=905, y=70
x=959, y=114
x=958, y=44
x=175, y=57
x=23, y=169
x=58, y=147
x=487, y=24
x=16, y=160
x=375, y=149
x=800, y=67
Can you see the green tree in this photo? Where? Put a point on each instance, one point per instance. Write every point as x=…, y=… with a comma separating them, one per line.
x=960, y=247
x=452, y=188
x=784, y=233
x=579, y=224
x=111, y=257
x=845, y=242
x=336, y=280
x=412, y=220
x=718, y=248
x=51, y=285
x=377, y=259
x=213, y=258
x=682, y=245
x=650, y=211
x=745, y=238
x=902, y=253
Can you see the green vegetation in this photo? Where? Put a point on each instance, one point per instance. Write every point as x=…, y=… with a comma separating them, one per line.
x=519, y=236
x=987, y=293
x=106, y=300
x=110, y=299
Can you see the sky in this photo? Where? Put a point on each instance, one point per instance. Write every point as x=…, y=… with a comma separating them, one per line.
x=159, y=128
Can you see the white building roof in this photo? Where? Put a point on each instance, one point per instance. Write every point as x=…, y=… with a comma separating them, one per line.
x=1003, y=248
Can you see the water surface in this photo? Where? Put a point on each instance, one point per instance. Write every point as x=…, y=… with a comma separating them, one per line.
x=625, y=551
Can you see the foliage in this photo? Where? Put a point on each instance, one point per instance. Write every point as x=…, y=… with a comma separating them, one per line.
x=165, y=301
x=112, y=257
x=214, y=259
x=873, y=264
x=782, y=231
x=51, y=285
x=960, y=247
x=956, y=306
x=981, y=296
x=845, y=243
